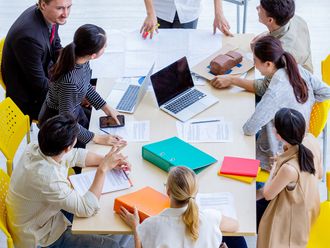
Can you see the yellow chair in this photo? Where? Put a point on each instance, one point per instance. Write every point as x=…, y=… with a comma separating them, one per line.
x=4, y=185
x=319, y=236
x=2, y=42
x=319, y=115
x=14, y=125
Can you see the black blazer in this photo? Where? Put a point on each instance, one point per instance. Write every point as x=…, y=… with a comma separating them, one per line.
x=27, y=56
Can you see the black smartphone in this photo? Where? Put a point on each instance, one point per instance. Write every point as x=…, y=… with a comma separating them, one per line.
x=108, y=121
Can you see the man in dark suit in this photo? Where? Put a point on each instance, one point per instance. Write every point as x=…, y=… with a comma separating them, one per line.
x=30, y=48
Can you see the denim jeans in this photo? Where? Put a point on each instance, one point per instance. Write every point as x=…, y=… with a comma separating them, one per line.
x=84, y=241
x=176, y=23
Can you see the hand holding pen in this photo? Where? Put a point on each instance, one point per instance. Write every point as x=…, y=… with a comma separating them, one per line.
x=149, y=26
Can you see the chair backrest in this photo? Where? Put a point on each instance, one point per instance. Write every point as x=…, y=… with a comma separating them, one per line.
x=319, y=114
x=14, y=125
x=2, y=83
x=4, y=185
x=319, y=236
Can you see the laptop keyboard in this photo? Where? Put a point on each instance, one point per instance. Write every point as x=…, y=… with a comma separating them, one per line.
x=184, y=101
x=128, y=100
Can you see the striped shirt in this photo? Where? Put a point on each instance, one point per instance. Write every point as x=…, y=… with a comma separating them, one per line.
x=66, y=94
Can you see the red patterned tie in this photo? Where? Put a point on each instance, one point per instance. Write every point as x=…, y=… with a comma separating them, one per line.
x=52, y=34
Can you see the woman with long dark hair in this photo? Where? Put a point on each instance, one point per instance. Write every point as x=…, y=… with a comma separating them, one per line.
x=293, y=185
x=70, y=84
x=290, y=86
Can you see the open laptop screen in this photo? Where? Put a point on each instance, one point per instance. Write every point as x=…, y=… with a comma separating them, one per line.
x=172, y=81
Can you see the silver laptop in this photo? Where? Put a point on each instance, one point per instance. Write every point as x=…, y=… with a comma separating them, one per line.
x=128, y=93
x=176, y=94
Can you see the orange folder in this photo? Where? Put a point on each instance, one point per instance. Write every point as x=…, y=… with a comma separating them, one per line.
x=148, y=201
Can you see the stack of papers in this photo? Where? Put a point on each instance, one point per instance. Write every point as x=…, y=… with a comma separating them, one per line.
x=223, y=201
x=114, y=180
x=205, y=130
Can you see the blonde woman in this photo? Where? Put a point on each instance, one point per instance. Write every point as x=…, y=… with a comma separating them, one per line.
x=183, y=224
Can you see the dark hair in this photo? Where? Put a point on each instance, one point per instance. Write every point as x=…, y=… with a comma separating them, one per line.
x=291, y=126
x=87, y=40
x=281, y=10
x=57, y=133
x=268, y=48
x=45, y=1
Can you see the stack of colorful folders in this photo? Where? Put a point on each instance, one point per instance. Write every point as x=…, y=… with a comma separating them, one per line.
x=242, y=169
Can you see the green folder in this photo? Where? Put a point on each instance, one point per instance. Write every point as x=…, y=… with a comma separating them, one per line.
x=176, y=152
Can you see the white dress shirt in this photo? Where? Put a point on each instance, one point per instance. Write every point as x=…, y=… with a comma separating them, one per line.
x=38, y=190
x=167, y=230
x=188, y=10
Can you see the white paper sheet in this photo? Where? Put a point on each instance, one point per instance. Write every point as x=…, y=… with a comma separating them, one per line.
x=205, y=130
x=114, y=180
x=222, y=201
x=133, y=131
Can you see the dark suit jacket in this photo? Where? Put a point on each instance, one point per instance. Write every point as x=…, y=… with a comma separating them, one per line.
x=27, y=56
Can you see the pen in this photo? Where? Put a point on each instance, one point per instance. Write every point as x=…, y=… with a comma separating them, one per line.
x=129, y=180
x=145, y=34
x=208, y=121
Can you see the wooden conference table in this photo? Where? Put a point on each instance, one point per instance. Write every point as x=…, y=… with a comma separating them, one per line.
x=235, y=105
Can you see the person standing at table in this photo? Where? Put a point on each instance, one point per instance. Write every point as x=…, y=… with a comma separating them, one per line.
x=31, y=47
x=179, y=14
x=293, y=186
x=282, y=23
x=183, y=224
x=40, y=195
x=70, y=83
x=291, y=86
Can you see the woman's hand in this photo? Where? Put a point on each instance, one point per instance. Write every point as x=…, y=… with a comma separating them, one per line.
x=109, y=111
x=132, y=220
x=109, y=140
x=221, y=23
x=149, y=26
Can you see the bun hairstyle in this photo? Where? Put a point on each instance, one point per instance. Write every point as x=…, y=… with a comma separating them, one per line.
x=291, y=126
x=268, y=48
x=182, y=185
x=88, y=39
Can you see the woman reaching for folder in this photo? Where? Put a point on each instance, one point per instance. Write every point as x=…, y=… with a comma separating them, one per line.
x=183, y=224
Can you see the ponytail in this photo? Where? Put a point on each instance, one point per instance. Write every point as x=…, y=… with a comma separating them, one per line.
x=291, y=126
x=64, y=63
x=191, y=219
x=88, y=39
x=268, y=48
x=306, y=159
x=182, y=185
x=298, y=84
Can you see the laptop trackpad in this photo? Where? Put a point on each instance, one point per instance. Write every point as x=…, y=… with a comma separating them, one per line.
x=114, y=97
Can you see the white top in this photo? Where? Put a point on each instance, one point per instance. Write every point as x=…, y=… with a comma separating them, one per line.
x=188, y=10
x=38, y=190
x=167, y=230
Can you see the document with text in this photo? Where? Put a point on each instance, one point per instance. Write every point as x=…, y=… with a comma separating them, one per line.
x=222, y=201
x=114, y=180
x=133, y=131
x=205, y=130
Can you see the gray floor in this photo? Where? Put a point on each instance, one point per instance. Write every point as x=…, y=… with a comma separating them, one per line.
x=129, y=14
